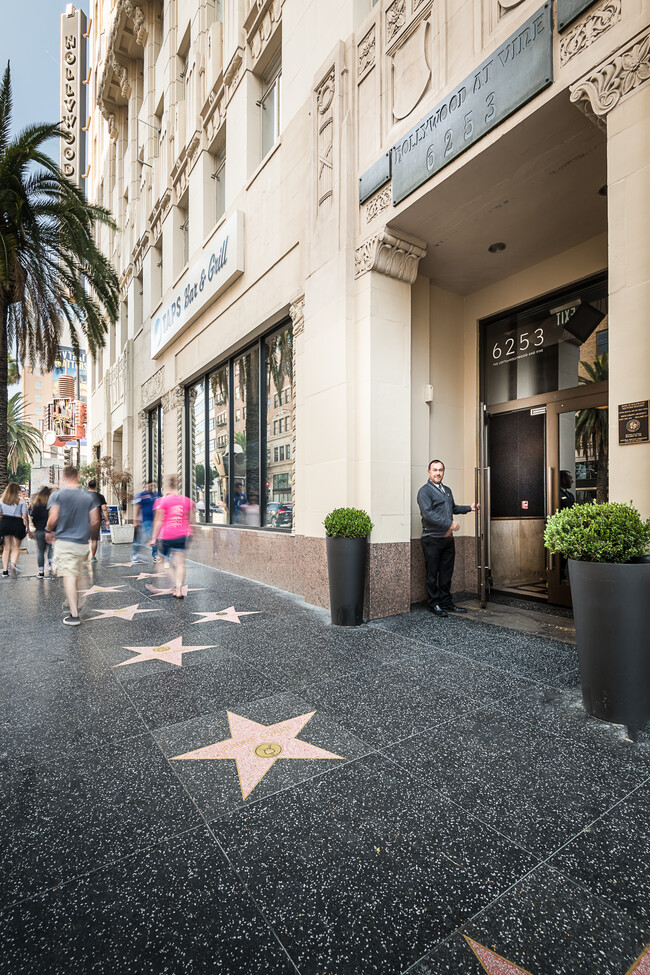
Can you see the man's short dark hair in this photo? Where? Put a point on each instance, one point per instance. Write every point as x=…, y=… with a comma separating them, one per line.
x=70, y=473
x=92, y=484
x=435, y=461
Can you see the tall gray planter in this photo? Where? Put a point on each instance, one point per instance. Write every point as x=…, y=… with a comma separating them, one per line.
x=347, y=559
x=611, y=606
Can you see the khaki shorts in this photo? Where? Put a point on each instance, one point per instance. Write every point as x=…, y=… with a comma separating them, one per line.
x=69, y=558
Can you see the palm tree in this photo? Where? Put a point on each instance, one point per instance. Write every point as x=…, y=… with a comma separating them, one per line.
x=592, y=426
x=52, y=274
x=24, y=439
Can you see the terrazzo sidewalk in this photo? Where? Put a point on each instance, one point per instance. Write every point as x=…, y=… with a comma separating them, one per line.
x=228, y=784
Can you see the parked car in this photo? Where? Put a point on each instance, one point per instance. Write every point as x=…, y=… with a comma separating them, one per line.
x=279, y=514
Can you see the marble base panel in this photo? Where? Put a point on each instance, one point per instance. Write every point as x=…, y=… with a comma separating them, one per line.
x=298, y=564
x=465, y=573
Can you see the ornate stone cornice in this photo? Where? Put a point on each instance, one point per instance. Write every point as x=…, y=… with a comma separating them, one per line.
x=589, y=29
x=159, y=212
x=125, y=280
x=213, y=113
x=234, y=72
x=174, y=399
x=124, y=11
x=265, y=18
x=397, y=257
x=297, y=314
x=379, y=202
x=139, y=251
x=602, y=89
x=152, y=388
x=367, y=53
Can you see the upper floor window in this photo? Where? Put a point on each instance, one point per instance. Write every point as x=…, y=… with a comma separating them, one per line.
x=220, y=183
x=270, y=105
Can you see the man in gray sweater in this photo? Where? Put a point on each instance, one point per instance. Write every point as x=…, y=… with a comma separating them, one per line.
x=437, y=507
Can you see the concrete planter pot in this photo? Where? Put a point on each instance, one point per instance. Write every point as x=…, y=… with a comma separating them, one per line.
x=347, y=559
x=612, y=617
x=122, y=534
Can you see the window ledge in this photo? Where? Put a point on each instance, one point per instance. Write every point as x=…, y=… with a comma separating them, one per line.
x=272, y=151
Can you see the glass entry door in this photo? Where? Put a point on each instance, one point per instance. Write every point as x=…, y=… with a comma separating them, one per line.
x=577, y=472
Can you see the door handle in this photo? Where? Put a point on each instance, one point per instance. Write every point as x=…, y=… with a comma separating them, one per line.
x=476, y=518
x=550, y=476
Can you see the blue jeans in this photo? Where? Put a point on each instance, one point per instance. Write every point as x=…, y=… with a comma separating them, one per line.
x=141, y=537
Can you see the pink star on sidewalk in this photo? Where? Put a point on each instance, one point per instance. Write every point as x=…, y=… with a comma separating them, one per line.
x=496, y=965
x=168, y=592
x=147, y=575
x=257, y=747
x=126, y=613
x=171, y=652
x=120, y=564
x=229, y=615
x=94, y=589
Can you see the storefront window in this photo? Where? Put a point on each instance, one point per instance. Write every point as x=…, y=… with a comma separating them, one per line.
x=544, y=348
x=278, y=510
x=154, y=461
x=197, y=447
x=229, y=456
x=218, y=445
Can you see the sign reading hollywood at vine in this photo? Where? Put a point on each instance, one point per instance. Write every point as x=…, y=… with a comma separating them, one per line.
x=221, y=263
x=511, y=76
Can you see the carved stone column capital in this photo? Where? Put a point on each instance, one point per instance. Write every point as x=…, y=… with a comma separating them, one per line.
x=174, y=399
x=397, y=257
x=602, y=89
x=297, y=314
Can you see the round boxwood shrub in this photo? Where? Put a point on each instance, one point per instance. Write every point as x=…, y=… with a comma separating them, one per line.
x=348, y=523
x=609, y=532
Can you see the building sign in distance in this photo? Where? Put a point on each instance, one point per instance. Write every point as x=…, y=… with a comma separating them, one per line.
x=633, y=422
x=511, y=76
x=221, y=263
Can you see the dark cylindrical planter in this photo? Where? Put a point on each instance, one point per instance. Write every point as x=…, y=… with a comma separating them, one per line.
x=346, y=567
x=611, y=606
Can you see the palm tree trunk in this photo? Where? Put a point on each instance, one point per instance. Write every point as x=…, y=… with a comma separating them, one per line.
x=4, y=364
x=601, y=477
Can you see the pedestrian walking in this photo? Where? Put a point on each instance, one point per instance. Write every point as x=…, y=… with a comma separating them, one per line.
x=143, y=521
x=39, y=520
x=72, y=514
x=13, y=526
x=99, y=503
x=173, y=514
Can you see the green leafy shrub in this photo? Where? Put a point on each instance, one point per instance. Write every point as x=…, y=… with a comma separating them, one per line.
x=609, y=532
x=348, y=523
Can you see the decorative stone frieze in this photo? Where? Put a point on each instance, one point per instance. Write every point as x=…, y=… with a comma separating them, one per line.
x=213, y=113
x=395, y=18
x=589, y=29
x=379, y=202
x=193, y=145
x=261, y=24
x=602, y=89
x=143, y=426
x=117, y=382
x=139, y=251
x=152, y=388
x=128, y=21
x=159, y=212
x=297, y=314
x=174, y=399
x=180, y=174
x=367, y=53
x=394, y=256
x=234, y=72
x=325, y=141
x=125, y=280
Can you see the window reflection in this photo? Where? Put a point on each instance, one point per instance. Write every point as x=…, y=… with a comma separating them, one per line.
x=278, y=511
x=218, y=446
x=197, y=427
x=246, y=441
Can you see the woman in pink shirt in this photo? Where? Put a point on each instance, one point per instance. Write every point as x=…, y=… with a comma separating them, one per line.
x=173, y=514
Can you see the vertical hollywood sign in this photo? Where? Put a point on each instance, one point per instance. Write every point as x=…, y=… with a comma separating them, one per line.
x=73, y=95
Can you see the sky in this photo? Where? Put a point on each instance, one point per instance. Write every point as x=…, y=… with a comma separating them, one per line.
x=29, y=38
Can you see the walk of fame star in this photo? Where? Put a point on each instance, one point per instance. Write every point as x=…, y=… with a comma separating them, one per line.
x=229, y=615
x=169, y=592
x=120, y=564
x=171, y=652
x=94, y=589
x=496, y=965
x=147, y=575
x=126, y=613
x=257, y=747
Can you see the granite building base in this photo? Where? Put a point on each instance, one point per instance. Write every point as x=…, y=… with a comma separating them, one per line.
x=298, y=564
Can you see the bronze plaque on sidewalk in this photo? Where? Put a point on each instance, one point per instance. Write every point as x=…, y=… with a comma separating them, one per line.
x=633, y=422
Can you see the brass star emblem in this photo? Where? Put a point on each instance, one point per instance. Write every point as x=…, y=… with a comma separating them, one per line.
x=229, y=615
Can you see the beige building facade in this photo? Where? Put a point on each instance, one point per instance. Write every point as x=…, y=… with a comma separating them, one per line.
x=356, y=236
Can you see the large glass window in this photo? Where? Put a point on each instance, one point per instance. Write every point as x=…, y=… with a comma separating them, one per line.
x=154, y=459
x=234, y=476
x=197, y=449
x=546, y=347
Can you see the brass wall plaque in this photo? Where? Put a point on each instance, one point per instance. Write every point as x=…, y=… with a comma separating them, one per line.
x=268, y=749
x=633, y=422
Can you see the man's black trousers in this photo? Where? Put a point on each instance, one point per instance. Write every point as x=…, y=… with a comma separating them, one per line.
x=439, y=555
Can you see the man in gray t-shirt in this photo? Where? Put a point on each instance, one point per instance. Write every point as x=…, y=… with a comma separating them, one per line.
x=72, y=513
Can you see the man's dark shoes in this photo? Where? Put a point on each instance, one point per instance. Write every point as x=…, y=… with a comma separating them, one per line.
x=455, y=609
x=437, y=610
